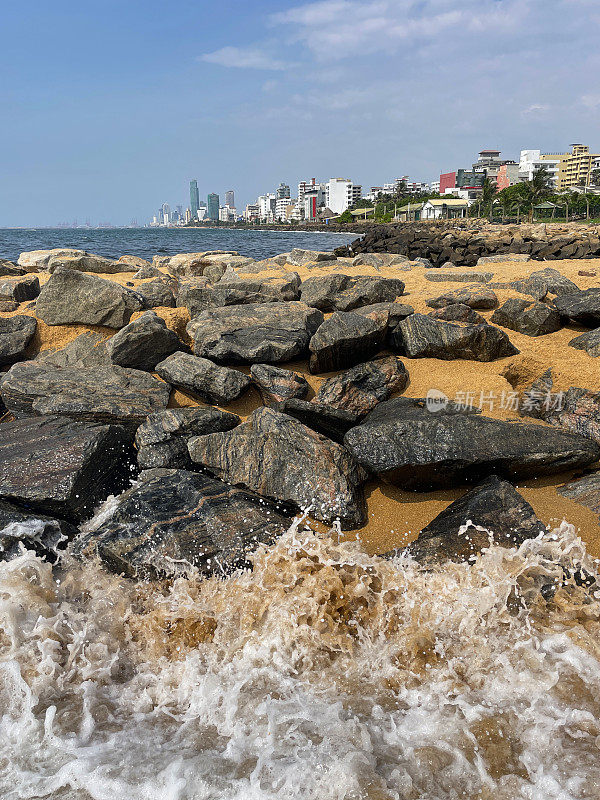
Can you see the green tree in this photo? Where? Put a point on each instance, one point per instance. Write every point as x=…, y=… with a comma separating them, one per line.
x=595, y=177
x=538, y=189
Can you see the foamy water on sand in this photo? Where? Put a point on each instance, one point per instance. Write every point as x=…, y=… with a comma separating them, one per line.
x=325, y=673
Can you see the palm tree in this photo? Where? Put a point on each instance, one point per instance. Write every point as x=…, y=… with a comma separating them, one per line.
x=487, y=195
x=538, y=188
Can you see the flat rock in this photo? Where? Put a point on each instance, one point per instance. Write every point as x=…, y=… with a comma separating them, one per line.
x=87, y=350
x=20, y=289
x=175, y=522
x=212, y=264
x=156, y=294
x=87, y=262
x=582, y=307
x=346, y=339
x=555, y=281
x=15, y=335
x=321, y=291
x=205, y=379
x=474, y=296
x=414, y=448
x=263, y=333
x=458, y=312
x=278, y=457
x=326, y=420
x=502, y=257
x=470, y=276
x=590, y=342
x=34, y=260
x=496, y=506
x=339, y=292
x=300, y=258
x=23, y=528
x=162, y=439
x=528, y=317
x=73, y=298
x=276, y=384
x=239, y=292
x=396, y=311
x=533, y=287
x=421, y=336
x=584, y=490
x=143, y=343
x=360, y=389
x=62, y=467
x=104, y=393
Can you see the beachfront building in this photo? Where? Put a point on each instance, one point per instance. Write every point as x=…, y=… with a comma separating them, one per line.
x=532, y=160
x=574, y=168
x=283, y=192
x=227, y=214
x=252, y=212
x=281, y=205
x=194, y=199
x=315, y=200
x=266, y=207
x=212, y=207
x=434, y=186
x=341, y=193
x=508, y=175
x=444, y=209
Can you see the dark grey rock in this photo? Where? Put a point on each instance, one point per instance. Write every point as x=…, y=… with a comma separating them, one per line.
x=584, y=490
x=62, y=467
x=346, y=339
x=10, y=269
x=396, y=311
x=278, y=457
x=360, y=389
x=263, y=333
x=237, y=291
x=582, y=307
x=590, y=342
x=343, y=293
x=470, y=276
x=74, y=298
x=175, y=522
x=276, y=384
x=327, y=420
x=156, y=294
x=203, y=378
x=25, y=529
x=414, y=448
x=474, y=296
x=528, y=317
x=576, y=410
x=420, y=336
x=143, y=343
x=20, y=289
x=108, y=394
x=554, y=281
x=6, y=306
x=163, y=438
x=458, y=312
x=87, y=350
x=15, y=335
x=321, y=291
x=300, y=258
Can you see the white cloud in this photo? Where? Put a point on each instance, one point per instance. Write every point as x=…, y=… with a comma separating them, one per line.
x=536, y=108
x=243, y=58
x=591, y=101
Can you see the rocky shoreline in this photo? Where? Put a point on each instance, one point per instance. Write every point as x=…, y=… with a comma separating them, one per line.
x=236, y=394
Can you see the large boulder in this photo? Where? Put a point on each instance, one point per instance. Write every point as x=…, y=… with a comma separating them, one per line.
x=458, y=312
x=156, y=294
x=62, y=467
x=15, y=335
x=176, y=522
x=346, y=339
x=278, y=457
x=421, y=336
x=470, y=276
x=585, y=490
x=360, y=389
x=87, y=262
x=276, y=384
x=474, y=296
x=321, y=291
x=105, y=393
x=343, y=293
x=528, y=317
x=203, y=378
x=553, y=280
x=236, y=291
x=396, y=311
x=8, y=268
x=87, y=350
x=582, y=307
x=148, y=271
x=20, y=289
x=502, y=257
x=23, y=528
x=212, y=263
x=143, y=343
x=411, y=447
x=73, y=298
x=456, y=534
x=263, y=333
x=576, y=410
x=34, y=260
x=162, y=439
x=300, y=258
x=327, y=420
x=590, y=342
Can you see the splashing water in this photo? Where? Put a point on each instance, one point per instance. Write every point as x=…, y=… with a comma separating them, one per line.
x=324, y=673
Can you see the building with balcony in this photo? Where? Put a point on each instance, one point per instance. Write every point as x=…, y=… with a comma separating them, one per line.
x=341, y=193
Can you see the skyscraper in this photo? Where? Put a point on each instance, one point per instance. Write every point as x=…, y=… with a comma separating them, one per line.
x=230, y=198
x=194, y=199
x=213, y=207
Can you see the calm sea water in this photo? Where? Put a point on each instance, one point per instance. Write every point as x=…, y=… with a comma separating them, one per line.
x=146, y=242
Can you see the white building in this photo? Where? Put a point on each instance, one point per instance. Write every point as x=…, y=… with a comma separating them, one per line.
x=281, y=205
x=252, y=212
x=531, y=161
x=444, y=209
x=341, y=193
x=314, y=200
x=434, y=186
x=227, y=214
x=266, y=207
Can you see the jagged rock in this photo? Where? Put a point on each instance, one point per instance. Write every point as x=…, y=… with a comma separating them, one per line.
x=203, y=378
x=576, y=410
x=360, y=389
x=15, y=335
x=501, y=257
x=8, y=268
x=194, y=294
x=494, y=505
x=414, y=448
x=21, y=528
x=528, y=317
x=379, y=260
x=239, y=292
x=533, y=287
x=276, y=384
x=104, y=393
x=74, y=298
x=62, y=467
x=156, y=294
x=344, y=293
x=134, y=263
x=148, y=271
x=437, y=276
x=175, y=522
x=212, y=263
x=590, y=342
x=474, y=296
x=87, y=350
x=458, y=312
x=20, y=289
x=584, y=490
x=554, y=281
x=426, y=262
x=321, y=291
x=7, y=306
x=163, y=438
x=87, y=262
x=300, y=258
x=346, y=339
x=143, y=343
x=331, y=422
x=278, y=457
x=396, y=311
x=34, y=260
x=420, y=336
x=582, y=307
x=262, y=333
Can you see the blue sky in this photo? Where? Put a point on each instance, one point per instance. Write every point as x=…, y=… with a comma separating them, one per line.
x=110, y=108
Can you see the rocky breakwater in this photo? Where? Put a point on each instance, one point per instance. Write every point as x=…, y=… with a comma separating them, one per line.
x=226, y=395
x=469, y=243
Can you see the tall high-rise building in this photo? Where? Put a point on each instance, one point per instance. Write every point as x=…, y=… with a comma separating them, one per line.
x=283, y=191
x=194, y=199
x=213, y=207
x=230, y=198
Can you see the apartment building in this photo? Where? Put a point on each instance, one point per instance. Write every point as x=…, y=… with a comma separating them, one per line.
x=341, y=193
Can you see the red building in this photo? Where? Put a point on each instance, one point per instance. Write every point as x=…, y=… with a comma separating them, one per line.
x=447, y=181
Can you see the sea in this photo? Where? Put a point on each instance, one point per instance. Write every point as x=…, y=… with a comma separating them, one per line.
x=147, y=242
